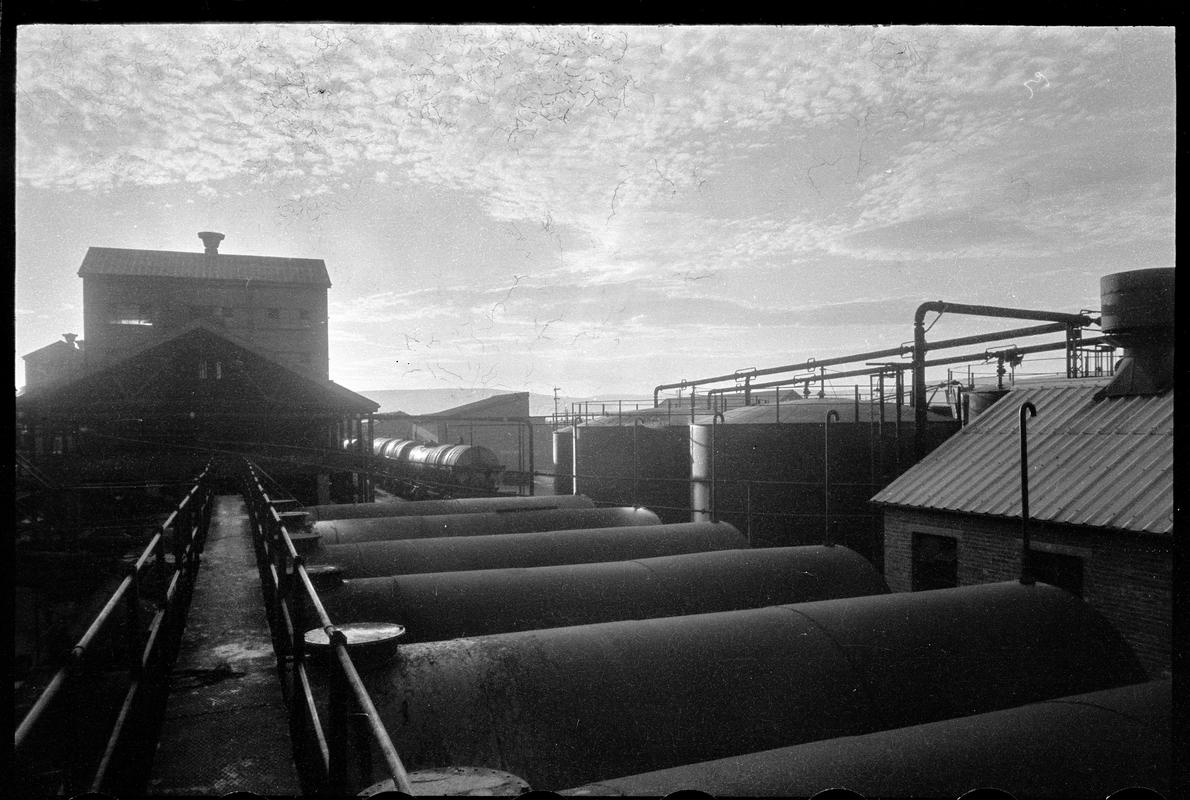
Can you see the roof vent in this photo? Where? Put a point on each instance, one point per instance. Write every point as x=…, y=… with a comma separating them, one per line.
x=69, y=338
x=1138, y=315
x=211, y=240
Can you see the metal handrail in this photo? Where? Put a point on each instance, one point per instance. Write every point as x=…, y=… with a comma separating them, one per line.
x=285, y=611
x=149, y=655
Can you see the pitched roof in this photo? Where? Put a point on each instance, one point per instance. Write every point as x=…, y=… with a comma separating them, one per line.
x=54, y=347
x=513, y=404
x=316, y=392
x=1106, y=464
x=174, y=264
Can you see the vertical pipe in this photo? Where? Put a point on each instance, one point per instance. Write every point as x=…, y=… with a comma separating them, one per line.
x=700, y=473
x=574, y=458
x=532, y=464
x=900, y=389
x=919, y=384
x=748, y=511
x=1027, y=410
x=831, y=415
x=715, y=420
x=635, y=497
x=857, y=403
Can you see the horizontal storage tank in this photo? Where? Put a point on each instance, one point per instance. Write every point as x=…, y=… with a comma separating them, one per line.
x=346, y=531
x=447, y=605
x=564, y=707
x=1088, y=745
x=539, y=549
x=467, y=505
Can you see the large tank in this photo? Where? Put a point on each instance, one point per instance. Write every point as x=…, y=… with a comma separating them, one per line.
x=447, y=605
x=466, y=505
x=1088, y=745
x=567, y=706
x=344, y=531
x=539, y=549
x=1138, y=315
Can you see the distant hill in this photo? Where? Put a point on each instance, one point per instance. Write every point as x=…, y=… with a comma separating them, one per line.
x=431, y=401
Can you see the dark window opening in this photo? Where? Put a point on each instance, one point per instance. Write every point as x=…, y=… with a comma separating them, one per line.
x=935, y=562
x=274, y=313
x=131, y=314
x=202, y=370
x=1057, y=569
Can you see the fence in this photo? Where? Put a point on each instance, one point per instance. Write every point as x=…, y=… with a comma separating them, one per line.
x=90, y=700
x=336, y=758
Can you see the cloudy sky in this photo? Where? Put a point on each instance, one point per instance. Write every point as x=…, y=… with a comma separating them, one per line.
x=602, y=208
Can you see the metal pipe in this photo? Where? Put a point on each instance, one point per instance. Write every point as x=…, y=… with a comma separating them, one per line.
x=919, y=347
x=1027, y=410
x=464, y=505
x=831, y=415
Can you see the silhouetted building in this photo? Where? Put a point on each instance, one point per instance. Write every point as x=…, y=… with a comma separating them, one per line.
x=276, y=305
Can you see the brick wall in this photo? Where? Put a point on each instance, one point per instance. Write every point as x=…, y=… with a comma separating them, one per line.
x=1126, y=577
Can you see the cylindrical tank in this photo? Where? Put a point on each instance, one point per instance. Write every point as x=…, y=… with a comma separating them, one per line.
x=567, y=706
x=345, y=531
x=700, y=472
x=467, y=505
x=563, y=461
x=540, y=549
x=447, y=605
x=1138, y=314
x=1088, y=745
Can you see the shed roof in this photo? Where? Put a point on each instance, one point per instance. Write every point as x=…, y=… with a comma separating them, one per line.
x=1105, y=464
x=220, y=266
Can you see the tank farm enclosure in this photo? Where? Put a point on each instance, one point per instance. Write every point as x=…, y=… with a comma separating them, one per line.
x=701, y=606
x=778, y=482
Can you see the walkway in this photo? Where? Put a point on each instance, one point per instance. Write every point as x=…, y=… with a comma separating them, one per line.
x=225, y=727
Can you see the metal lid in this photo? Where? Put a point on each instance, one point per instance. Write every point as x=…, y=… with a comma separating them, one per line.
x=456, y=781
x=369, y=643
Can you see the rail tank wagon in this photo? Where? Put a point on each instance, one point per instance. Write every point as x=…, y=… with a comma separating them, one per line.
x=537, y=549
x=1122, y=739
x=345, y=531
x=464, y=466
x=568, y=706
x=447, y=605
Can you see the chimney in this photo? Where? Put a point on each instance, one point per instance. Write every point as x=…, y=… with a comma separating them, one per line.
x=210, y=240
x=69, y=338
x=1138, y=316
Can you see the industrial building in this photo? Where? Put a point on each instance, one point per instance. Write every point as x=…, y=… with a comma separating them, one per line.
x=275, y=305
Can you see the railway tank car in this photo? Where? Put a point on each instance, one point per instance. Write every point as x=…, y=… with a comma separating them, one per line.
x=465, y=466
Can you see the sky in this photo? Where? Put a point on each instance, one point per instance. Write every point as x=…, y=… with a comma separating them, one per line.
x=602, y=208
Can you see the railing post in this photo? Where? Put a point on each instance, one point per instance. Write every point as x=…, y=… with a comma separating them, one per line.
x=134, y=642
x=337, y=712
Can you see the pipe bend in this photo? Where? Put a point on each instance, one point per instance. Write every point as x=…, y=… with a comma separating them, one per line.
x=919, y=316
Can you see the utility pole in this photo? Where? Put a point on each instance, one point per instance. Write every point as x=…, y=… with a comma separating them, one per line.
x=556, y=407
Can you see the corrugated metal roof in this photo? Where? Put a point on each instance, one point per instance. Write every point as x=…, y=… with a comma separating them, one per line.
x=173, y=264
x=1106, y=464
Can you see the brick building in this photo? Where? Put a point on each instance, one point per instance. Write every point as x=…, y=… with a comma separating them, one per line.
x=1101, y=506
x=276, y=305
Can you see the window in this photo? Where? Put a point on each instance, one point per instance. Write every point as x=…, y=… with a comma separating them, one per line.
x=218, y=370
x=935, y=562
x=202, y=370
x=304, y=358
x=1058, y=569
x=304, y=314
x=274, y=313
x=131, y=314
